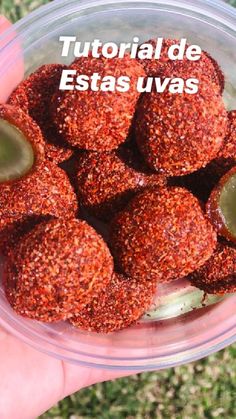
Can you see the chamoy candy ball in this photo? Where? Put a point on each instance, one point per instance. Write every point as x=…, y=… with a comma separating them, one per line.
x=180, y=133
x=34, y=96
x=57, y=268
x=217, y=276
x=98, y=120
x=45, y=191
x=107, y=181
x=221, y=206
x=205, y=67
x=162, y=235
x=118, y=306
x=8, y=227
x=21, y=144
x=14, y=227
x=228, y=149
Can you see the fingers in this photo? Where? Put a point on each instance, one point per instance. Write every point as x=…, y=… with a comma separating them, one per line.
x=11, y=59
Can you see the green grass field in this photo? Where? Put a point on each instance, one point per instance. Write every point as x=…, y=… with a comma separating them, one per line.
x=204, y=389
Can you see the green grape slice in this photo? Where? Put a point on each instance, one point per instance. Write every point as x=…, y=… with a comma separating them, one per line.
x=16, y=153
x=227, y=204
x=177, y=298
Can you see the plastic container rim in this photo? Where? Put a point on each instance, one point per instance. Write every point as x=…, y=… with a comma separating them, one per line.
x=214, y=9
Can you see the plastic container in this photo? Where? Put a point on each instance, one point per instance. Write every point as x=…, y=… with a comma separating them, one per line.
x=159, y=341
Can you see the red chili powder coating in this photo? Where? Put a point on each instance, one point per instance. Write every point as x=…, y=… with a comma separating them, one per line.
x=18, y=97
x=118, y=306
x=202, y=182
x=213, y=210
x=228, y=149
x=162, y=235
x=107, y=181
x=57, y=154
x=206, y=66
x=45, y=191
x=57, y=268
x=34, y=96
x=98, y=121
x=7, y=227
x=13, y=228
x=21, y=120
x=217, y=276
x=179, y=134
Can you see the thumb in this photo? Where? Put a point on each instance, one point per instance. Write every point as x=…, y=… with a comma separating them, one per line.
x=4, y=23
x=11, y=59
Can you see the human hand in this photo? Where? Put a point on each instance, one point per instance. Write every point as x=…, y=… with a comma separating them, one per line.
x=31, y=382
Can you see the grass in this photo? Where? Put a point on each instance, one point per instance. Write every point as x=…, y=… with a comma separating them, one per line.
x=16, y=9
x=203, y=389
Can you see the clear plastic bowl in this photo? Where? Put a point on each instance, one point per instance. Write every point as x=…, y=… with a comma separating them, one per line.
x=156, y=342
